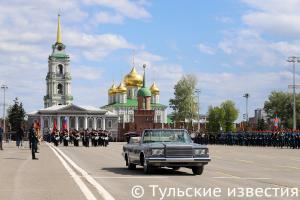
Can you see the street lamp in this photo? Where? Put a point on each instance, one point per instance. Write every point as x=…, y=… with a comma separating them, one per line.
x=4, y=87
x=198, y=91
x=246, y=95
x=294, y=59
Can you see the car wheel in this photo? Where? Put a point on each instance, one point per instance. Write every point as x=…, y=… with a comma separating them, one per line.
x=147, y=168
x=130, y=165
x=197, y=170
x=175, y=168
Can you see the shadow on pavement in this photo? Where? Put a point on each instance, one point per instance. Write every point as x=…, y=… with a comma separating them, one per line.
x=139, y=171
x=14, y=158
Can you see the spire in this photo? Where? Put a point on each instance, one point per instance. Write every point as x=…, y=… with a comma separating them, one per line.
x=144, y=78
x=58, y=37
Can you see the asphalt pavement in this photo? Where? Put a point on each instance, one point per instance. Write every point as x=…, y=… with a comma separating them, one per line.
x=100, y=173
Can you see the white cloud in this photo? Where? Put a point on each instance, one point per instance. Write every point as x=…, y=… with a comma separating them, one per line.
x=126, y=8
x=108, y=18
x=218, y=87
x=275, y=17
x=144, y=57
x=205, y=49
x=86, y=73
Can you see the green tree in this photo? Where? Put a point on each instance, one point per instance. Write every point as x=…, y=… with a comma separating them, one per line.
x=215, y=119
x=230, y=115
x=184, y=105
x=282, y=104
x=261, y=125
x=16, y=114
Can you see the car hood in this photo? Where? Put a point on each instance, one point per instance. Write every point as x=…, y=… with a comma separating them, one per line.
x=174, y=144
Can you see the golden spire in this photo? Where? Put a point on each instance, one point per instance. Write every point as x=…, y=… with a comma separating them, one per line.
x=58, y=37
x=113, y=89
x=121, y=88
x=133, y=78
x=154, y=89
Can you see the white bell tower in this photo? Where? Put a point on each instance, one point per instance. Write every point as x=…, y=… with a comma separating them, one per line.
x=59, y=77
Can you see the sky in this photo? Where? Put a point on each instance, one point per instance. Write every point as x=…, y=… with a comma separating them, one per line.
x=232, y=47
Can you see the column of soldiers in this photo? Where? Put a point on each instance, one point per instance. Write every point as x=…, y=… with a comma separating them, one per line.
x=93, y=138
x=282, y=139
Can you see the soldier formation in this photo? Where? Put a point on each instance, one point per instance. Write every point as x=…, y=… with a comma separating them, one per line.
x=280, y=139
x=87, y=138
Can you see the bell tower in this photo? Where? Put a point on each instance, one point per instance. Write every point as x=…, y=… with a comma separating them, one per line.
x=58, y=78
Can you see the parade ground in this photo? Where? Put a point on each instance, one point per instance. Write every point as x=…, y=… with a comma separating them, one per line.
x=100, y=173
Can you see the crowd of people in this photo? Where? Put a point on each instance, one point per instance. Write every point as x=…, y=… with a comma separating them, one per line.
x=281, y=139
x=86, y=138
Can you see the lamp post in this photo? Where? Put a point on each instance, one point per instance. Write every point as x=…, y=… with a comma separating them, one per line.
x=4, y=87
x=198, y=91
x=294, y=59
x=246, y=95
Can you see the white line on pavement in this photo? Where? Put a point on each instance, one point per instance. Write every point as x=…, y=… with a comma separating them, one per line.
x=244, y=178
x=87, y=193
x=104, y=193
x=126, y=177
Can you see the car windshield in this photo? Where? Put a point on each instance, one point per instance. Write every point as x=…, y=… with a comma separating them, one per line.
x=180, y=136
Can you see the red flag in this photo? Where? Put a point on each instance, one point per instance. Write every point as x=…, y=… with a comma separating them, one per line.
x=65, y=123
x=54, y=125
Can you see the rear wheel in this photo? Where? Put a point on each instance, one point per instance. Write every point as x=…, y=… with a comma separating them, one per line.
x=198, y=170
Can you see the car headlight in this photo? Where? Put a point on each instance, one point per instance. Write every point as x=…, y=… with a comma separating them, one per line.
x=199, y=152
x=157, y=152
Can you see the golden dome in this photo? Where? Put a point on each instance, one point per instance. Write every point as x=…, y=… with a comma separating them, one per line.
x=121, y=88
x=154, y=89
x=112, y=90
x=133, y=79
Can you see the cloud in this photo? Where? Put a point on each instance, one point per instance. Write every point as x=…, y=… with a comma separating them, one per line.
x=86, y=73
x=218, y=87
x=126, y=8
x=274, y=17
x=144, y=57
x=205, y=49
x=108, y=18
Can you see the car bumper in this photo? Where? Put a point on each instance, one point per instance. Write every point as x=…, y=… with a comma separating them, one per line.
x=178, y=162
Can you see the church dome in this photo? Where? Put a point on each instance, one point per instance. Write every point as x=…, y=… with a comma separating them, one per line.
x=112, y=90
x=154, y=89
x=121, y=88
x=144, y=92
x=133, y=79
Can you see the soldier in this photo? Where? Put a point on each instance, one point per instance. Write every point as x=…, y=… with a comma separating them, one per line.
x=1, y=137
x=76, y=138
x=33, y=141
x=66, y=138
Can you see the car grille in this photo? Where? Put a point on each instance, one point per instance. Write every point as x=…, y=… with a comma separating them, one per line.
x=179, y=152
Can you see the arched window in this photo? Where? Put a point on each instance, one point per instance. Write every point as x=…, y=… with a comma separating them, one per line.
x=60, y=69
x=59, y=89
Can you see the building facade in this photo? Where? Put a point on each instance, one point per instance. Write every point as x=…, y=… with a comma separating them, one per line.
x=76, y=118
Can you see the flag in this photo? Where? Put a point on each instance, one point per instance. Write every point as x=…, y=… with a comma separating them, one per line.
x=54, y=126
x=65, y=123
x=276, y=122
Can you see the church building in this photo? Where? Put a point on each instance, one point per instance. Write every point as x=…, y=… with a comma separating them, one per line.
x=58, y=107
x=123, y=99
